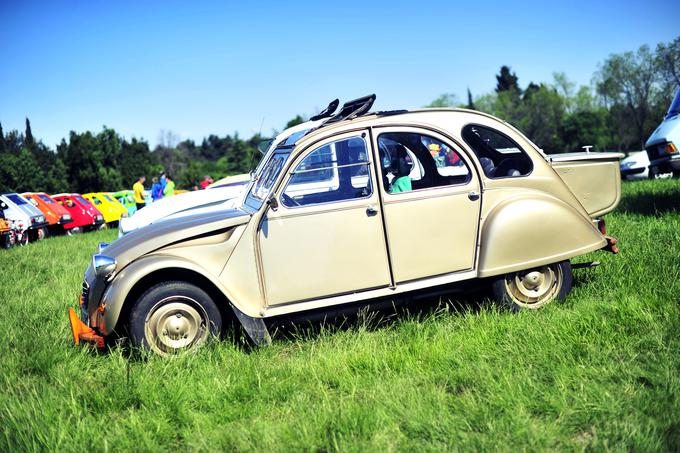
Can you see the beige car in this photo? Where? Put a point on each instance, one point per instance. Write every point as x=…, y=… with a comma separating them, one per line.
x=362, y=206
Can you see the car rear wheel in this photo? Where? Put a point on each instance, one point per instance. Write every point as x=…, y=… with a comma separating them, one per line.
x=533, y=288
x=171, y=317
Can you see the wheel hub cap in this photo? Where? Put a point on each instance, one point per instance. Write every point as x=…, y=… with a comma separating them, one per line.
x=176, y=323
x=536, y=287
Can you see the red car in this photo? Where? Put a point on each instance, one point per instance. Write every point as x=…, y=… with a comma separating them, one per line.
x=84, y=215
x=57, y=216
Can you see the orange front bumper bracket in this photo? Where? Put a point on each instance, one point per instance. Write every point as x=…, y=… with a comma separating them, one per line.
x=82, y=332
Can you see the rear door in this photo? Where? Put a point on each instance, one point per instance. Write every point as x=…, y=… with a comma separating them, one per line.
x=432, y=212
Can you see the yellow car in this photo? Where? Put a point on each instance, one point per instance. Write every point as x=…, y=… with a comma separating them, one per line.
x=111, y=209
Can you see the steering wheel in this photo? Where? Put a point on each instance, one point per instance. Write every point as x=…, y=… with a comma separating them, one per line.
x=288, y=200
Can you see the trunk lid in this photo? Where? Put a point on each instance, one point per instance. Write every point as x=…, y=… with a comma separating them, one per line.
x=594, y=178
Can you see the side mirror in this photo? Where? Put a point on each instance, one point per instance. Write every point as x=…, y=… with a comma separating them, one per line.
x=271, y=201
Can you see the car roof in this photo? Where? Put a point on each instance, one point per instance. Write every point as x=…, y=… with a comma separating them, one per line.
x=449, y=119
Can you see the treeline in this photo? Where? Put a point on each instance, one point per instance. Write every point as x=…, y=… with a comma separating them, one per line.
x=626, y=101
x=105, y=161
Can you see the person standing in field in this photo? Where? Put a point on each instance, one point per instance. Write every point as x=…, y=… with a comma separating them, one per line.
x=206, y=182
x=138, y=189
x=156, y=189
x=163, y=181
x=169, y=187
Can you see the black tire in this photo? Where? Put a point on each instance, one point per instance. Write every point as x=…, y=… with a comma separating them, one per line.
x=173, y=316
x=549, y=283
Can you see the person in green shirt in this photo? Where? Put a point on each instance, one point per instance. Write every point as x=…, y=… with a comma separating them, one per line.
x=401, y=184
x=169, y=187
x=401, y=169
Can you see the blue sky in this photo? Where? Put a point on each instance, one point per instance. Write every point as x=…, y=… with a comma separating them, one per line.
x=197, y=68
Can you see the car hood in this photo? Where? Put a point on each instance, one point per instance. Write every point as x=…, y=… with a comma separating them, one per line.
x=668, y=131
x=152, y=237
x=178, y=203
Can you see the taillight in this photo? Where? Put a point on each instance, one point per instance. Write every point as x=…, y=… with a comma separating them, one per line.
x=602, y=227
x=671, y=148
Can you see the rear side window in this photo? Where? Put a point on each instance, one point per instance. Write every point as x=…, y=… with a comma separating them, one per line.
x=412, y=161
x=499, y=156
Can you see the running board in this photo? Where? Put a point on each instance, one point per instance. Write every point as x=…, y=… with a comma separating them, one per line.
x=585, y=265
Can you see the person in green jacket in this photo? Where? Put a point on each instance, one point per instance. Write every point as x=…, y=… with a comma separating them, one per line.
x=169, y=187
x=401, y=169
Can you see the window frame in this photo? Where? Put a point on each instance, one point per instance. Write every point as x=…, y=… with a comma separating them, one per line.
x=462, y=152
x=507, y=137
x=362, y=135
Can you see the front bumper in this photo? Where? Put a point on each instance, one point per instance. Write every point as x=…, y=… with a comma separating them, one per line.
x=665, y=164
x=82, y=332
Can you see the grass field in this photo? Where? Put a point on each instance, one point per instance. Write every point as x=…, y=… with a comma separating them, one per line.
x=600, y=371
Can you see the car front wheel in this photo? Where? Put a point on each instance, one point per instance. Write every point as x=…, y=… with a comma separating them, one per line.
x=533, y=288
x=173, y=316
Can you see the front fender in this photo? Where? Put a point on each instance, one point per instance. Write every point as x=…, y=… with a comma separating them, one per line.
x=532, y=230
x=117, y=291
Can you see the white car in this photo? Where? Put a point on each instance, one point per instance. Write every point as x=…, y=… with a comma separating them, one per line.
x=635, y=166
x=181, y=205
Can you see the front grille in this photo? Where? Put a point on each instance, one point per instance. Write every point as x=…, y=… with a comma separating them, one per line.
x=84, y=295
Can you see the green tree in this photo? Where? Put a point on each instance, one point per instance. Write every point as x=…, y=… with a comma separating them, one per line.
x=470, y=103
x=295, y=121
x=507, y=81
x=444, y=100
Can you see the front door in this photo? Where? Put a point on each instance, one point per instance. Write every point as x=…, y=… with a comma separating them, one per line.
x=326, y=237
x=431, y=198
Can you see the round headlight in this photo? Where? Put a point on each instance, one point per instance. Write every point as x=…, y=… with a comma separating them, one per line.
x=103, y=266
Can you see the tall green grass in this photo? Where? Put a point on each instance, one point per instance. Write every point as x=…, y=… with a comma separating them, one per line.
x=599, y=371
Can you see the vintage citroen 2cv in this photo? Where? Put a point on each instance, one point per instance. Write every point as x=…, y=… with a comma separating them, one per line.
x=360, y=206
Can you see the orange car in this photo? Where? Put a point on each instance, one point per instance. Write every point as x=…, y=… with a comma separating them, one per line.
x=57, y=215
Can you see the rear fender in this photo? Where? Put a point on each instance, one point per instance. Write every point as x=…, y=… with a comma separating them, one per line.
x=532, y=230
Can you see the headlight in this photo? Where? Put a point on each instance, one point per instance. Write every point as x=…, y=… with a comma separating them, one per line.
x=41, y=219
x=66, y=217
x=103, y=266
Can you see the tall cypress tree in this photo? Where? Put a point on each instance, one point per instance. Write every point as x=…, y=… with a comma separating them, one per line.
x=507, y=81
x=29, y=141
x=470, y=103
x=2, y=140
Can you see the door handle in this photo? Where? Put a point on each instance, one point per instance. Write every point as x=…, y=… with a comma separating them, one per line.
x=473, y=196
x=371, y=211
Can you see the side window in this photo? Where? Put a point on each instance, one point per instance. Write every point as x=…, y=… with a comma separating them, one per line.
x=333, y=172
x=499, y=156
x=412, y=161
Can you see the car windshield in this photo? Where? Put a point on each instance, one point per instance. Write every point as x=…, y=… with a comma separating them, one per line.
x=82, y=200
x=45, y=198
x=16, y=199
x=675, y=106
x=108, y=198
x=96, y=201
x=264, y=180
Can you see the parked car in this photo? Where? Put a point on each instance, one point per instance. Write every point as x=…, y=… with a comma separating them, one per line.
x=127, y=199
x=29, y=220
x=7, y=237
x=664, y=144
x=111, y=209
x=84, y=215
x=336, y=215
x=57, y=216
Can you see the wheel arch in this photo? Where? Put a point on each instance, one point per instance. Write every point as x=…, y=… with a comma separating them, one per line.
x=132, y=281
x=531, y=230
